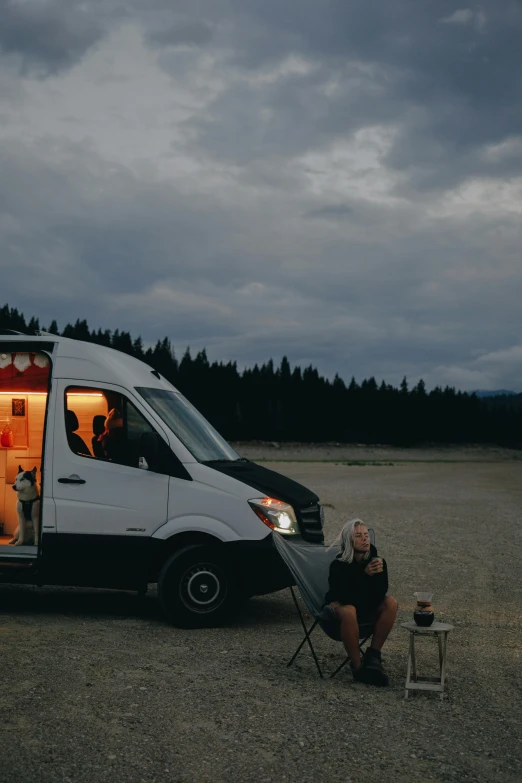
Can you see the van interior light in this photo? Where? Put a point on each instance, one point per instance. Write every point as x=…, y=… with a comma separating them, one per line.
x=84, y=394
x=15, y=393
x=44, y=394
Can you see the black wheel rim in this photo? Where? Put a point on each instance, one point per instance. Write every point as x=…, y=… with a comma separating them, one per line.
x=203, y=588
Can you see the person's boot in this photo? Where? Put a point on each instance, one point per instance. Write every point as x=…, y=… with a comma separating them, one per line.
x=373, y=670
x=367, y=676
x=359, y=674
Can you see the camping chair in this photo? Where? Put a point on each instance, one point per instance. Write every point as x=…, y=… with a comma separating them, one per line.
x=309, y=565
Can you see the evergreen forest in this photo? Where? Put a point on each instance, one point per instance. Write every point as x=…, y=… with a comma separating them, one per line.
x=285, y=403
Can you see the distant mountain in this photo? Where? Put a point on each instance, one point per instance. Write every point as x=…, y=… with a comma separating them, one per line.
x=493, y=393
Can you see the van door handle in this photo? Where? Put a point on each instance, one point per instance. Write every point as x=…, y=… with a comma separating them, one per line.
x=71, y=480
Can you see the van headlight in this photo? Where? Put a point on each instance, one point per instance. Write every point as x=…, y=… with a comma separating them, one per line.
x=277, y=515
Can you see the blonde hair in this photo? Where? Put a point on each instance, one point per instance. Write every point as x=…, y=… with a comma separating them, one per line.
x=113, y=420
x=345, y=539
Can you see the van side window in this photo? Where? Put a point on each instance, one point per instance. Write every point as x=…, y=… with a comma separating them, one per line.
x=104, y=424
x=136, y=424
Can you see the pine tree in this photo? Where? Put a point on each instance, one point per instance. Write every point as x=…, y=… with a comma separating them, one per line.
x=420, y=389
x=284, y=370
x=10, y=318
x=353, y=387
x=137, y=348
x=121, y=341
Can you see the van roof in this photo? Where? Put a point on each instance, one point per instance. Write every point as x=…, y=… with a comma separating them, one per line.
x=83, y=361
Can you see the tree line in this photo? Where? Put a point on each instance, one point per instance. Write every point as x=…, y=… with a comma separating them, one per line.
x=298, y=404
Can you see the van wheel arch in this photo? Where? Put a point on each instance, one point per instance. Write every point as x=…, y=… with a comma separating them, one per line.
x=176, y=542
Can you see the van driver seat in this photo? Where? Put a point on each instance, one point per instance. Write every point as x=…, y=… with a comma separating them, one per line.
x=75, y=442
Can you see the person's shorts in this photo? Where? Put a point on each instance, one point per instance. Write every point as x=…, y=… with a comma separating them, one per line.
x=367, y=618
x=331, y=624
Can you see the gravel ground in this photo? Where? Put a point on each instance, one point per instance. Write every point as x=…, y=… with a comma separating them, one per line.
x=97, y=687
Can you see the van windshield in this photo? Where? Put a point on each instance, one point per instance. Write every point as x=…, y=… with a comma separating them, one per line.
x=193, y=430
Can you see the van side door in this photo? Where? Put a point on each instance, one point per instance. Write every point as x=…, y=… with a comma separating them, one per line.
x=107, y=506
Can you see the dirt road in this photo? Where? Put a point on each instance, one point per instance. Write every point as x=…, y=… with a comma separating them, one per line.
x=97, y=687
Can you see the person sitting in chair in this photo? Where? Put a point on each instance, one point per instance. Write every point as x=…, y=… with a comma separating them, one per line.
x=358, y=586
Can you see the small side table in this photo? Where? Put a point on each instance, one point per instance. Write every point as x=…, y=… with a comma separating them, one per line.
x=413, y=681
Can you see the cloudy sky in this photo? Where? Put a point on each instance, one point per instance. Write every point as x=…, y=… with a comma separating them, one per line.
x=335, y=180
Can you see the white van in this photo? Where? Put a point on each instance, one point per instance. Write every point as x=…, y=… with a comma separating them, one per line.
x=136, y=487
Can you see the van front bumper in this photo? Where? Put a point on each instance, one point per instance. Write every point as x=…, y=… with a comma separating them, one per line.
x=260, y=566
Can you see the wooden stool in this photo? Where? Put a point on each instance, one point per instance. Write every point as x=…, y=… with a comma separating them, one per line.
x=414, y=682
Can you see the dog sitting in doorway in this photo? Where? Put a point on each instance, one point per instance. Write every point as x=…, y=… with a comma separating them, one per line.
x=27, y=508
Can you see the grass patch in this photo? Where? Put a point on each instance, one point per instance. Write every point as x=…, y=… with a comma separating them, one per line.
x=364, y=462
x=417, y=461
x=379, y=463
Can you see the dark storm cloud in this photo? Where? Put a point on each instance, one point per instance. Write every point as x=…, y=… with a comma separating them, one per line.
x=267, y=178
x=133, y=252
x=47, y=36
x=449, y=87
x=330, y=212
x=295, y=113
x=136, y=247
x=447, y=75
x=183, y=32
x=124, y=230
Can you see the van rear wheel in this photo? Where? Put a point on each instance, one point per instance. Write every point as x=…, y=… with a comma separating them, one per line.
x=197, y=587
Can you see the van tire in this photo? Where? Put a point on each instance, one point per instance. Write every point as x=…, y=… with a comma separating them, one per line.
x=198, y=587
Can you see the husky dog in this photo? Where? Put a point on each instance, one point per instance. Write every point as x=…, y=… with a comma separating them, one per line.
x=28, y=508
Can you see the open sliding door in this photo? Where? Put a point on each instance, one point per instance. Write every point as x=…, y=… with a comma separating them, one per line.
x=24, y=396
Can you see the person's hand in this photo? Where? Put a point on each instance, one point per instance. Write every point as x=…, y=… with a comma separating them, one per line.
x=374, y=567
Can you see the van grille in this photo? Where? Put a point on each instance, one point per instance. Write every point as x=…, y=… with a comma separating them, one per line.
x=311, y=524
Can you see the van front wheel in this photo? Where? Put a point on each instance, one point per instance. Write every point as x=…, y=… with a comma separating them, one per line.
x=197, y=587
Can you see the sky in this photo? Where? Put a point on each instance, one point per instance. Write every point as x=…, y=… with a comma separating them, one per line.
x=335, y=181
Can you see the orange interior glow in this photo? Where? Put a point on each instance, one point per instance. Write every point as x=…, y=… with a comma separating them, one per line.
x=84, y=394
x=31, y=393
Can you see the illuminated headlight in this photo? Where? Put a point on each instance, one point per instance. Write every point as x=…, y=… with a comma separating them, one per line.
x=277, y=515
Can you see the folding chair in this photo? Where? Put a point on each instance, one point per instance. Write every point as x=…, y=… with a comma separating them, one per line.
x=309, y=565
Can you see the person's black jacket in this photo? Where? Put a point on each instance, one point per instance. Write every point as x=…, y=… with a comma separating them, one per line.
x=350, y=585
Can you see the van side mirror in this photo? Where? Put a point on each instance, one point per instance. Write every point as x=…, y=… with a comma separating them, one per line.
x=149, y=448
x=154, y=454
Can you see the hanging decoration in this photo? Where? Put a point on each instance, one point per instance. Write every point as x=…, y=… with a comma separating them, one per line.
x=22, y=361
x=41, y=360
x=24, y=372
